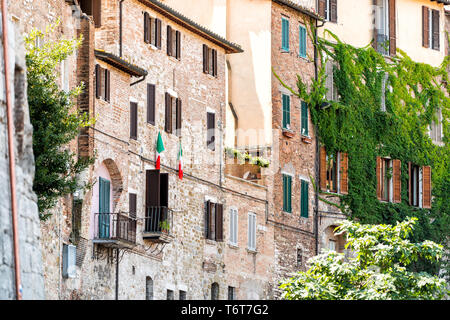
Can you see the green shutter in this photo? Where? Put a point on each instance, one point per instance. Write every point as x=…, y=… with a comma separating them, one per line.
x=103, y=210
x=305, y=131
x=302, y=45
x=287, y=193
x=286, y=111
x=285, y=34
x=304, y=202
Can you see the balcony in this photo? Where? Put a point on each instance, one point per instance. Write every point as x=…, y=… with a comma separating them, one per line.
x=116, y=230
x=158, y=224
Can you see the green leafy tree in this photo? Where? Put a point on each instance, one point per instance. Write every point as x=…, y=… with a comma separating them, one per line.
x=55, y=120
x=376, y=269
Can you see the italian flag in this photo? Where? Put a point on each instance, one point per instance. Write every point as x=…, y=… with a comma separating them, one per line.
x=180, y=163
x=159, y=149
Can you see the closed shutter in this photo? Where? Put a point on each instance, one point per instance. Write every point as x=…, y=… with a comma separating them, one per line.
x=97, y=13
x=426, y=187
x=333, y=10
x=286, y=100
x=207, y=218
x=214, y=57
x=425, y=27
x=233, y=226
x=392, y=28
x=410, y=178
x=169, y=40
x=146, y=27
x=133, y=120
x=211, y=221
x=98, y=81
x=322, y=8
x=305, y=129
x=132, y=205
x=435, y=34
x=251, y=231
x=285, y=34
x=379, y=178
x=344, y=173
x=158, y=33
x=168, y=114
x=219, y=222
x=152, y=188
x=287, y=193
x=211, y=131
x=302, y=40
x=151, y=99
x=107, y=85
x=179, y=118
x=304, y=200
x=178, y=41
x=323, y=169
x=205, y=58
x=397, y=181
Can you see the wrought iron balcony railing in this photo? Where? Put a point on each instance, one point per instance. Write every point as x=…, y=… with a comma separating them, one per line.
x=114, y=228
x=158, y=224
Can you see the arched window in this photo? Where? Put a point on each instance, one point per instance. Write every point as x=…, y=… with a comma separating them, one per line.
x=215, y=291
x=148, y=288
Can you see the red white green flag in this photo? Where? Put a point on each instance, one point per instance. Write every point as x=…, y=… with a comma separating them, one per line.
x=159, y=149
x=180, y=163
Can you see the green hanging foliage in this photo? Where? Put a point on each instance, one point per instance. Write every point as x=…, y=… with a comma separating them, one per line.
x=356, y=124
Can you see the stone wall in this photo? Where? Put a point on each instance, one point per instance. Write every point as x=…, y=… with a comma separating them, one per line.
x=31, y=270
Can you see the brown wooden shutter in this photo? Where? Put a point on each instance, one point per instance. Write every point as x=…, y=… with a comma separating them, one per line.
x=107, y=85
x=323, y=169
x=397, y=181
x=151, y=88
x=178, y=120
x=425, y=27
x=146, y=27
x=435, y=33
x=158, y=33
x=379, y=182
x=152, y=189
x=178, y=41
x=168, y=116
x=214, y=56
x=207, y=218
x=132, y=205
x=322, y=7
x=205, y=58
x=219, y=222
x=133, y=120
x=97, y=13
x=333, y=10
x=169, y=40
x=98, y=84
x=344, y=173
x=426, y=187
x=410, y=183
x=392, y=28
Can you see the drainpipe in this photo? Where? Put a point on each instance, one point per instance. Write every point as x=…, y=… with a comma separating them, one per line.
x=117, y=273
x=120, y=27
x=12, y=165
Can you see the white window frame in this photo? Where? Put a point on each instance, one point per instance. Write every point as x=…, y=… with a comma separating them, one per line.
x=251, y=235
x=234, y=226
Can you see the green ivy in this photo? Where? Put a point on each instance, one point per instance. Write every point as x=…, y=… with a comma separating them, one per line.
x=355, y=124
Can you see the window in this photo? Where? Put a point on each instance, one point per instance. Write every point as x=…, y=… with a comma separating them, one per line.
x=299, y=257
x=287, y=193
x=286, y=100
x=133, y=120
x=152, y=30
x=419, y=186
x=92, y=8
x=169, y=294
x=233, y=226
x=210, y=131
x=173, y=43
x=151, y=103
x=215, y=291
x=104, y=190
x=302, y=42
x=388, y=180
x=148, y=288
x=213, y=221
x=332, y=245
x=305, y=124
x=284, y=34
x=182, y=295
x=328, y=9
x=304, y=199
x=209, y=61
x=436, y=128
x=156, y=200
x=132, y=204
x=384, y=83
x=333, y=172
x=102, y=84
x=252, y=231
x=332, y=92
x=231, y=293
x=430, y=28
x=173, y=115
x=385, y=41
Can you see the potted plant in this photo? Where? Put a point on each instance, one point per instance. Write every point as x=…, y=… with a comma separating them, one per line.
x=165, y=226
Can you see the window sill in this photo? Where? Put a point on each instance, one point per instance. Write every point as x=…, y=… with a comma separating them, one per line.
x=306, y=139
x=233, y=246
x=211, y=242
x=153, y=47
x=252, y=251
x=284, y=50
x=173, y=59
x=288, y=133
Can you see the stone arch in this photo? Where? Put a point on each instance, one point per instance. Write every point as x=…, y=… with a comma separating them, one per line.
x=330, y=239
x=116, y=179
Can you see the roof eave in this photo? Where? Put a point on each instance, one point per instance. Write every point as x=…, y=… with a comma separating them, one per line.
x=120, y=63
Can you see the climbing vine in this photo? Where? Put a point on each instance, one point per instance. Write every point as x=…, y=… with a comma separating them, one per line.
x=357, y=125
